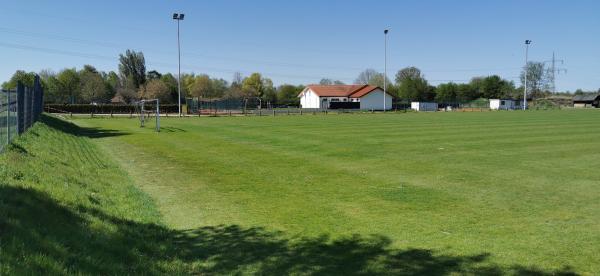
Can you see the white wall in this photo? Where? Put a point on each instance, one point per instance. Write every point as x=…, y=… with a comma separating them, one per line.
x=582, y=105
x=374, y=100
x=422, y=106
x=496, y=104
x=309, y=99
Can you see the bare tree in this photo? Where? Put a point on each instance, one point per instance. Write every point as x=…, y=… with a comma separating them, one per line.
x=366, y=76
x=326, y=82
x=238, y=78
x=537, y=78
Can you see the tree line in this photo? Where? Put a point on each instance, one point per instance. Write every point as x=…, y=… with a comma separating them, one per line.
x=133, y=82
x=410, y=84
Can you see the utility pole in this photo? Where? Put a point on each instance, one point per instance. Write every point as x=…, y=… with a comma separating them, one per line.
x=527, y=42
x=385, y=32
x=554, y=71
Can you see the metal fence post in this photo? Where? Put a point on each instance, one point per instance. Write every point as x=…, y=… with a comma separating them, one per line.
x=3, y=99
x=41, y=98
x=20, y=108
x=28, y=108
x=36, y=99
x=8, y=105
x=33, y=111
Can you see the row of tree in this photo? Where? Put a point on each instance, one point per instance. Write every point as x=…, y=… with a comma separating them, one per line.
x=411, y=84
x=133, y=82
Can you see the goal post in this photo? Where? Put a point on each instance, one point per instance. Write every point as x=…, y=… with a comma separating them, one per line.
x=145, y=109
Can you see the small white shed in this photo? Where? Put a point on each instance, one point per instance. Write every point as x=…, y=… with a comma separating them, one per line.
x=499, y=104
x=423, y=106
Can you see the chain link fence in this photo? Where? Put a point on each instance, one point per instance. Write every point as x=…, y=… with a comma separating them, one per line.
x=19, y=110
x=259, y=107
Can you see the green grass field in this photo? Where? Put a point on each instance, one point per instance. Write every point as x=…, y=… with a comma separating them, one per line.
x=407, y=193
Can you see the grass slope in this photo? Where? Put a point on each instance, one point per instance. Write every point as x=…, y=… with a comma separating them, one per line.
x=499, y=192
x=62, y=202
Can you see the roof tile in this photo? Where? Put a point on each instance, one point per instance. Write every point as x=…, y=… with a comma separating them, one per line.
x=353, y=91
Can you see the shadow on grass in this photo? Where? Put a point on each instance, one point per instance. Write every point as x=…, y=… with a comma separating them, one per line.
x=40, y=236
x=70, y=128
x=17, y=148
x=172, y=129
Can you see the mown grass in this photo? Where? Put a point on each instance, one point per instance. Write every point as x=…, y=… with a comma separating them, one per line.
x=520, y=188
x=410, y=194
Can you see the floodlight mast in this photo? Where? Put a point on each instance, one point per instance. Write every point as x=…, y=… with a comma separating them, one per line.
x=527, y=42
x=385, y=32
x=178, y=17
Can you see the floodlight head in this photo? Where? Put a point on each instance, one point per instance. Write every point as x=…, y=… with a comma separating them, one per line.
x=181, y=16
x=527, y=41
x=385, y=31
x=175, y=16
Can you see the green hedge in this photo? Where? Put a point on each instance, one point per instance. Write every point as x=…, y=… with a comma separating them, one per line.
x=544, y=104
x=104, y=108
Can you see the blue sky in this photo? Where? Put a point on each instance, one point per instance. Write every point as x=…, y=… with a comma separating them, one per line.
x=300, y=42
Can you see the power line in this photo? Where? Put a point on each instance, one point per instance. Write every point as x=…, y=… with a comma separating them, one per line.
x=145, y=30
x=60, y=38
x=153, y=63
x=187, y=66
x=187, y=53
x=202, y=56
x=193, y=67
x=473, y=70
x=54, y=51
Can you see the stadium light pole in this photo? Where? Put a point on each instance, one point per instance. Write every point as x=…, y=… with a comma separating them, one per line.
x=527, y=42
x=178, y=17
x=385, y=32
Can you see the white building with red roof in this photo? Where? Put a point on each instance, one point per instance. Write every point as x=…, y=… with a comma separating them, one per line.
x=359, y=96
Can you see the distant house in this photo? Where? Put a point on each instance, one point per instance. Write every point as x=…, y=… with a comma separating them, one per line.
x=423, y=106
x=502, y=104
x=587, y=100
x=366, y=97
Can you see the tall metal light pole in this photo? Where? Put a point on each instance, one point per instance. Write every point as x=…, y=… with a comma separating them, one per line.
x=527, y=42
x=178, y=17
x=385, y=32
